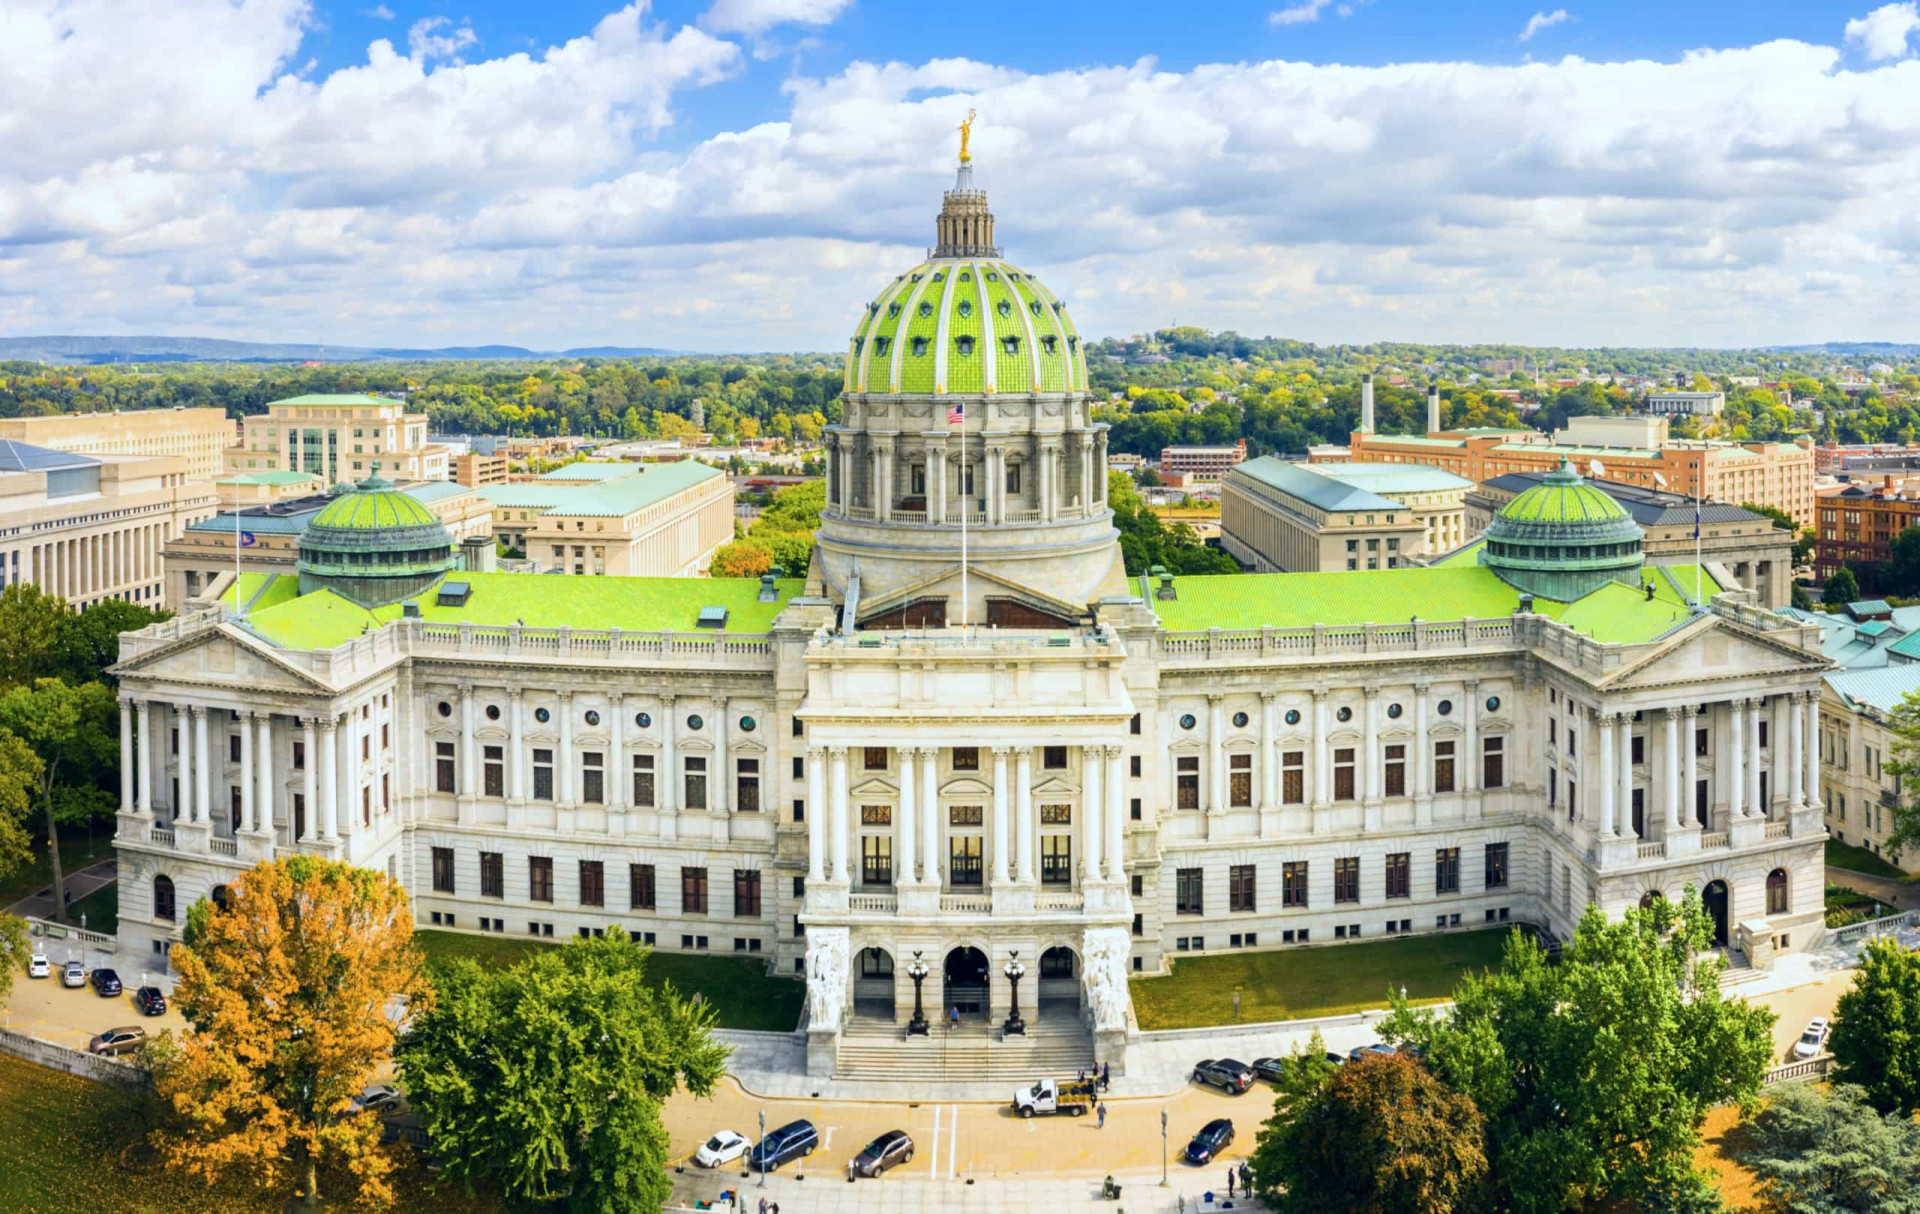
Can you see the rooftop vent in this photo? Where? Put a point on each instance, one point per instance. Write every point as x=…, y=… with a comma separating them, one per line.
x=453, y=594
x=1166, y=590
x=410, y=609
x=712, y=617
x=1526, y=605
x=769, y=593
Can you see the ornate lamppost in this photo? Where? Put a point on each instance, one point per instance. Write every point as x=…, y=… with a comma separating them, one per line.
x=917, y=970
x=1015, y=971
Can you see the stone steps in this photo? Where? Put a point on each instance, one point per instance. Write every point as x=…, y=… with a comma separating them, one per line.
x=877, y=1051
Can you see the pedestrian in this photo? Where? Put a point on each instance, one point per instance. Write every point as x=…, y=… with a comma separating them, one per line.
x=1183, y=1203
x=1083, y=1076
x=1230, y=1176
x=763, y=1205
x=1246, y=1179
x=1106, y=1074
x=956, y=1015
x=1103, y=1114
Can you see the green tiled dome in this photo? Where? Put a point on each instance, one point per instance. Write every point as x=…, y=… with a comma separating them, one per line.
x=966, y=325
x=373, y=505
x=375, y=545
x=1562, y=497
x=1563, y=539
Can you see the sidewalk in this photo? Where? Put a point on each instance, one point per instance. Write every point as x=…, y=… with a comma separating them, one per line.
x=829, y=1193
x=1902, y=894
x=80, y=883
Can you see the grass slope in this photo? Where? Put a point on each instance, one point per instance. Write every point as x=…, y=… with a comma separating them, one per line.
x=1860, y=860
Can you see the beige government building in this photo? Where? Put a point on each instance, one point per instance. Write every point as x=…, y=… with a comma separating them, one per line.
x=340, y=439
x=198, y=436
x=1280, y=517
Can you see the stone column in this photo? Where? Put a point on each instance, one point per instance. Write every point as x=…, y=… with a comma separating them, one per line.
x=816, y=814
x=1609, y=816
x=263, y=800
x=837, y=826
x=469, y=761
x=883, y=478
x=310, y=783
x=1000, y=809
x=1470, y=778
x=1422, y=761
x=350, y=762
x=1049, y=489
x=1116, y=854
x=668, y=788
x=329, y=808
x=127, y=804
x=1090, y=790
x=1023, y=808
x=516, y=749
x=564, y=758
x=1322, y=762
x=246, y=773
x=1690, y=771
x=930, y=867
x=1216, y=755
x=1673, y=769
x=1734, y=765
x=184, y=800
x=144, y=756
x=1754, y=807
x=198, y=790
x=1625, y=770
x=1269, y=760
x=723, y=770
x=1810, y=751
x=1794, y=774
x=1370, y=773
x=909, y=834
x=619, y=771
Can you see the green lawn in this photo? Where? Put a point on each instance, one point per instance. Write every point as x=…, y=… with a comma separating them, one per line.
x=1295, y=984
x=101, y=907
x=70, y=1144
x=740, y=990
x=38, y=875
x=1860, y=860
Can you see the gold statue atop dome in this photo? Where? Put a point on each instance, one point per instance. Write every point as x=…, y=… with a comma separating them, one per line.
x=966, y=131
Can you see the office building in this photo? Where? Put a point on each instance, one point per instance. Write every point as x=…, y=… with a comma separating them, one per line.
x=340, y=439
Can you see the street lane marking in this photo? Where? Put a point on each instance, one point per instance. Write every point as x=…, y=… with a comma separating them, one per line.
x=933, y=1165
x=953, y=1142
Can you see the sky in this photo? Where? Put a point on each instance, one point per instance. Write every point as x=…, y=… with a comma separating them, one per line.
x=742, y=175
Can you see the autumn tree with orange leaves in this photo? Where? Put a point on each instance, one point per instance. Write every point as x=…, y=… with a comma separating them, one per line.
x=295, y=991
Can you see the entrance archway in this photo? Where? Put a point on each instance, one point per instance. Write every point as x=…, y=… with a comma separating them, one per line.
x=873, y=983
x=964, y=982
x=1714, y=898
x=221, y=897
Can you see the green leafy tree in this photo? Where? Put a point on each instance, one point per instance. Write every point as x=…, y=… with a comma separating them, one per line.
x=1876, y=1028
x=1842, y=588
x=30, y=627
x=546, y=1079
x=1828, y=1151
x=1903, y=764
x=20, y=771
x=1380, y=1134
x=89, y=640
x=1802, y=601
x=1302, y=1074
x=1802, y=539
x=73, y=731
x=1596, y=1074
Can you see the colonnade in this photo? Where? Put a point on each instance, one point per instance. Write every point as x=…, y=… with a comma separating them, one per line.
x=78, y=568
x=874, y=458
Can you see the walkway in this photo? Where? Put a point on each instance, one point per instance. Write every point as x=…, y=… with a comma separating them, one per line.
x=80, y=883
x=1139, y=1194
x=1903, y=894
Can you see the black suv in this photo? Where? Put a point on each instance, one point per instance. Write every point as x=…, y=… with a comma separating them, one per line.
x=791, y=1141
x=1213, y=1138
x=1227, y=1074
x=151, y=1000
x=106, y=983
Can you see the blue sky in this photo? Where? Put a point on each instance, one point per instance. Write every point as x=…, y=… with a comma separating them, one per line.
x=743, y=174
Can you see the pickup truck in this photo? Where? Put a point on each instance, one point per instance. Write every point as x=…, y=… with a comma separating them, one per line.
x=1055, y=1096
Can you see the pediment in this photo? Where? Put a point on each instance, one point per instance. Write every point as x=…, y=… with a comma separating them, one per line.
x=222, y=657
x=1715, y=651
x=874, y=786
x=966, y=786
x=1055, y=786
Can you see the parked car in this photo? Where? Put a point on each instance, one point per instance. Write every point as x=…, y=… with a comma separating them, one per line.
x=721, y=1148
x=1227, y=1074
x=73, y=974
x=1336, y=1059
x=889, y=1150
x=1074, y=1097
x=106, y=983
x=1813, y=1040
x=381, y=1098
x=151, y=1000
x=39, y=967
x=1359, y=1052
x=118, y=1041
x=793, y=1140
x=1213, y=1138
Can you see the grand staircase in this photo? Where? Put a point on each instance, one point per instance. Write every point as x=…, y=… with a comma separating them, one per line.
x=1057, y=1044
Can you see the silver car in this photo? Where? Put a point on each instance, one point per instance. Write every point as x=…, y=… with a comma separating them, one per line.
x=74, y=974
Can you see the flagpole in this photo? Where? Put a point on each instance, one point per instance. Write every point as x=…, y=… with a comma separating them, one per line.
x=238, y=519
x=1699, y=476
x=964, y=480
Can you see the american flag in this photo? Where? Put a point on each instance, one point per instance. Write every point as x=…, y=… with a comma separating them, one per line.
x=956, y=414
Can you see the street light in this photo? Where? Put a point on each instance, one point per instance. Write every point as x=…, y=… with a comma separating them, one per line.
x=763, y=1148
x=1015, y=971
x=1163, y=1146
x=917, y=970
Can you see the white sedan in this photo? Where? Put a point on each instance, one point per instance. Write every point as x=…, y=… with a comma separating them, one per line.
x=1813, y=1040
x=39, y=966
x=74, y=974
x=721, y=1148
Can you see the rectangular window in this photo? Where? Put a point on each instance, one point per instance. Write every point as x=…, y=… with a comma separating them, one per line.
x=1638, y=749
x=746, y=786
x=1133, y=766
x=493, y=875
x=1187, y=892
x=965, y=815
x=299, y=755
x=1396, y=763
x=1240, y=781
x=540, y=878
x=1443, y=766
x=1293, y=777
x=593, y=883
x=494, y=770
x=593, y=787
x=1343, y=774
x=693, y=891
x=876, y=815
x=696, y=781
x=1187, y=782
x=1493, y=762
x=1346, y=879
x=966, y=758
x=1240, y=887
x=1293, y=883
x=1400, y=875
x=1446, y=870
x=643, y=781
x=876, y=859
x=640, y=887
x=1053, y=758
x=542, y=775
x=443, y=767
x=443, y=870
x=1496, y=871
x=963, y=860
x=873, y=758
x=746, y=893
x=1056, y=815
x=233, y=748
x=1056, y=859
x=1700, y=742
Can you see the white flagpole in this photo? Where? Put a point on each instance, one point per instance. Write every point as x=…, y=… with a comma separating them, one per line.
x=239, y=520
x=1699, y=478
x=965, y=477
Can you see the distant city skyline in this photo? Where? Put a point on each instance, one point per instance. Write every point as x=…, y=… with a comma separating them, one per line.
x=743, y=174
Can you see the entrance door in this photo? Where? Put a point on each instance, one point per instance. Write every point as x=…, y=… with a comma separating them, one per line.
x=965, y=986
x=1715, y=900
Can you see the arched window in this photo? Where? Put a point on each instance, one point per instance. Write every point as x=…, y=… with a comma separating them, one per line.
x=1650, y=897
x=1777, y=892
x=1058, y=962
x=163, y=897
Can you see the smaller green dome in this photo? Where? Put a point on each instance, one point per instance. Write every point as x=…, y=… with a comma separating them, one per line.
x=373, y=505
x=375, y=545
x=1563, y=497
x=1563, y=539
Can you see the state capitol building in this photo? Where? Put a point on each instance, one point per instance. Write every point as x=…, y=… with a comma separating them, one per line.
x=907, y=753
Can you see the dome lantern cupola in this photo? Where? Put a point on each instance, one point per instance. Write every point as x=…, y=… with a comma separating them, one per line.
x=374, y=545
x=1563, y=539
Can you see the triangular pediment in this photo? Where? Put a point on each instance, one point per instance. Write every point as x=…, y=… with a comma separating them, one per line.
x=1054, y=786
x=223, y=657
x=1716, y=649
x=875, y=787
x=947, y=581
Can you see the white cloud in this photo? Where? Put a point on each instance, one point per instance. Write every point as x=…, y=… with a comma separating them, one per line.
x=209, y=188
x=1883, y=33
x=759, y=16
x=1300, y=14
x=1540, y=21
x=425, y=42
x=378, y=12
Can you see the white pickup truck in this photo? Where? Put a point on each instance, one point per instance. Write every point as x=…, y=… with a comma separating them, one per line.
x=1055, y=1096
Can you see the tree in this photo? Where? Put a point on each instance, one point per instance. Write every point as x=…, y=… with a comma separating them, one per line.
x=547, y=1078
x=1381, y=1134
x=1303, y=1073
x=1803, y=540
x=1827, y=1151
x=741, y=558
x=20, y=771
x=73, y=731
x=294, y=990
x=30, y=623
x=89, y=640
x=1802, y=601
x=1842, y=588
x=1876, y=1027
x=1903, y=764
x=1596, y=1074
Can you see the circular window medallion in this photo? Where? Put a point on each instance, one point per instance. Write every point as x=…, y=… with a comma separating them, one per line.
x=593, y=718
x=1345, y=714
x=1444, y=707
x=1393, y=712
x=1187, y=721
x=748, y=724
x=493, y=712
x=542, y=715
x=643, y=719
x=1493, y=703
x=695, y=723
x=445, y=709
x=1239, y=720
x=1293, y=716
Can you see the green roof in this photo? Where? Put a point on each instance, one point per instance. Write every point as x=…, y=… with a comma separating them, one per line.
x=1421, y=440
x=1564, y=498
x=636, y=487
x=324, y=620
x=326, y=398
x=1389, y=479
x=258, y=590
x=965, y=325
x=1307, y=484
x=269, y=478
x=591, y=470
x=1466, y=554
x=374, y=506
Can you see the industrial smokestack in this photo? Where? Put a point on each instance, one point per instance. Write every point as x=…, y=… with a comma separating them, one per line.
x=1366, y=403
x=1433, y=408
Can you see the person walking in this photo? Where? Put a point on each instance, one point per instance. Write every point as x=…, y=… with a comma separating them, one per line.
x=763, y=1205
x=1230, y=1177
x=1102, y=1110
x=1246, y=1179
x=956, y=1015
x=1106, y=1075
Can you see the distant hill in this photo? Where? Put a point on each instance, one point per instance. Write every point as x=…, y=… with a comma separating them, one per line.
x=1855, y=349
x=77, y=349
